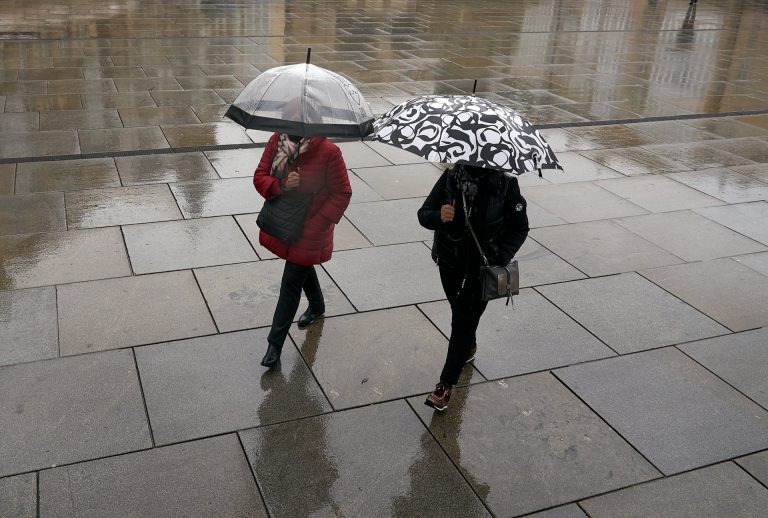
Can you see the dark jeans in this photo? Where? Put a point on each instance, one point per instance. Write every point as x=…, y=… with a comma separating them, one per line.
x=295, y=277
x=466, y=310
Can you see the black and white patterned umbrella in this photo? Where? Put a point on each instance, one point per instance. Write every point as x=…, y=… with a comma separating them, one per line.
x=304, y=100
x=465, y=129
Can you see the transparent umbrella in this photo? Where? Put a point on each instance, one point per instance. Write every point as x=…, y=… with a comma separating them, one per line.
x=304, y=100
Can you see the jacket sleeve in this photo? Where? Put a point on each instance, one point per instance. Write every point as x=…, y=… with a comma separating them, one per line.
x=267, y=185
x=429, y=213
x=339, y=190
x=516, y=228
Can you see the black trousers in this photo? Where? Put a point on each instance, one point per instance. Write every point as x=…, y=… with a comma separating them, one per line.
x=295, y=278
x=466, y=310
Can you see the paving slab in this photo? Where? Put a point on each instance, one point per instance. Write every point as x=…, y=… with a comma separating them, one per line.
x=749, y=219
x=206, y=134
x=673, y=131
x=602, y=247
x=698, y=155
x=175, y=167
x=713, y=492
x=613, y=136
x=156, y=116
x=724, y=184
x=28, y=326
x=541, y=446
x=339, y=352
x=217, y=197
x=39, y=143
x=656, y=193
x=7, y=179
x=756, y=171
x=750, y=148
x=382, y=277
x=581, y=201
x=728, y=128
x=393, y=154
x=80, y=120
x=42, y=103
x=725, y=290
x=19, y=122
x=66, y=175
x=120, y=206
x=176, y=245
x=18, y=496
x=561, y=140
x=115, y=313
x=538, y=265
x=242, y=296
x=757, y=465
x=400, y=181
x=676, y=413
x=358, y=154
x=740, y=359
x=389, y=222
x=207, y=386
x=532, y=335
x=690, y=236
x=117, y=100
x=233, y=163
x=539, y=217
x=122, y=139
x=578, y=168
x=207, y=478
x=413, y=477
x=28, y=213
x=757, y=262
x=566, y=511
x=60, y=257
x=69, y=410
x=361, y=191
x=629, y=313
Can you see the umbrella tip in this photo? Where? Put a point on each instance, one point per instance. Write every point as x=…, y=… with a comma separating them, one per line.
x=474, y=87
x=309, y=53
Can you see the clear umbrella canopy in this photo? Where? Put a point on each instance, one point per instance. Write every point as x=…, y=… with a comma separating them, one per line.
x=304, y=100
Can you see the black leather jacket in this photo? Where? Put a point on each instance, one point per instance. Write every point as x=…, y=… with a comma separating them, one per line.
x=497, y=214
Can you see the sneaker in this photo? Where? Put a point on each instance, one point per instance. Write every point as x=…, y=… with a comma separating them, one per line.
x=439, y=397
x=472, y=352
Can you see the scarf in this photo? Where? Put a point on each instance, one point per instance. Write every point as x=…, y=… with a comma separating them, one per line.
x=288, y=152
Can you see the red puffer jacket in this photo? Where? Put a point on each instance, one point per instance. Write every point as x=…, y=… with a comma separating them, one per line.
x=323, y=172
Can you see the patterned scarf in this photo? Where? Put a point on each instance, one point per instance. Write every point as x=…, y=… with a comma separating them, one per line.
x=287, y=153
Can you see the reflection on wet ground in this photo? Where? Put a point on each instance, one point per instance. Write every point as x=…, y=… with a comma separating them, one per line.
x=131, y=274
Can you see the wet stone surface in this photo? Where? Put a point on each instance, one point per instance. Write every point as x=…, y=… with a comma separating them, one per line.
x=414, y=477
x=128, y=221
x=555, y=449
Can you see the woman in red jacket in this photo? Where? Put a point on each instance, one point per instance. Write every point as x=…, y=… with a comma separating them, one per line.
x=313, y=166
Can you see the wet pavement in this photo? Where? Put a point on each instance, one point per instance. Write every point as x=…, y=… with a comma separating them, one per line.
x=135, y=299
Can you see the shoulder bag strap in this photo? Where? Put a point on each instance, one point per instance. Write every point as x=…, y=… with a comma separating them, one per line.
x=471, y=231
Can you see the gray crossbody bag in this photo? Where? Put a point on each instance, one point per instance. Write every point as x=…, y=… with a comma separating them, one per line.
x=495, y=281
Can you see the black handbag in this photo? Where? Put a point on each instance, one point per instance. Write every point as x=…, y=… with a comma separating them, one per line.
x=283, y=217
x=497, y=281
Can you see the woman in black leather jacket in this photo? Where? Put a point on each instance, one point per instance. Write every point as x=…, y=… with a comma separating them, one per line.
x=497, y=213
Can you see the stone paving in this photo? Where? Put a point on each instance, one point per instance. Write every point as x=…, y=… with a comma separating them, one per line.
x=628, y=380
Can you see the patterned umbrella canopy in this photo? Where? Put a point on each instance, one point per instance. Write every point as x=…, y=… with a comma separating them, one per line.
x=464, y=129
x=304, y=100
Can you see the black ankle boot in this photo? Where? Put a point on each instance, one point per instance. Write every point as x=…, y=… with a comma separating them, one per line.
x=272, y=356
x=309, y=316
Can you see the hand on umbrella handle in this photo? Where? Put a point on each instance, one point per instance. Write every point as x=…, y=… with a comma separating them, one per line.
x=291, y=181
x=447, y=212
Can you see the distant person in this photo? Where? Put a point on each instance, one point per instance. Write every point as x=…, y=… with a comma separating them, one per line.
x=497, y=212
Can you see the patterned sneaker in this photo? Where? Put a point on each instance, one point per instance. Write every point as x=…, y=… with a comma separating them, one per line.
x=472, y=352
x=439, y=397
